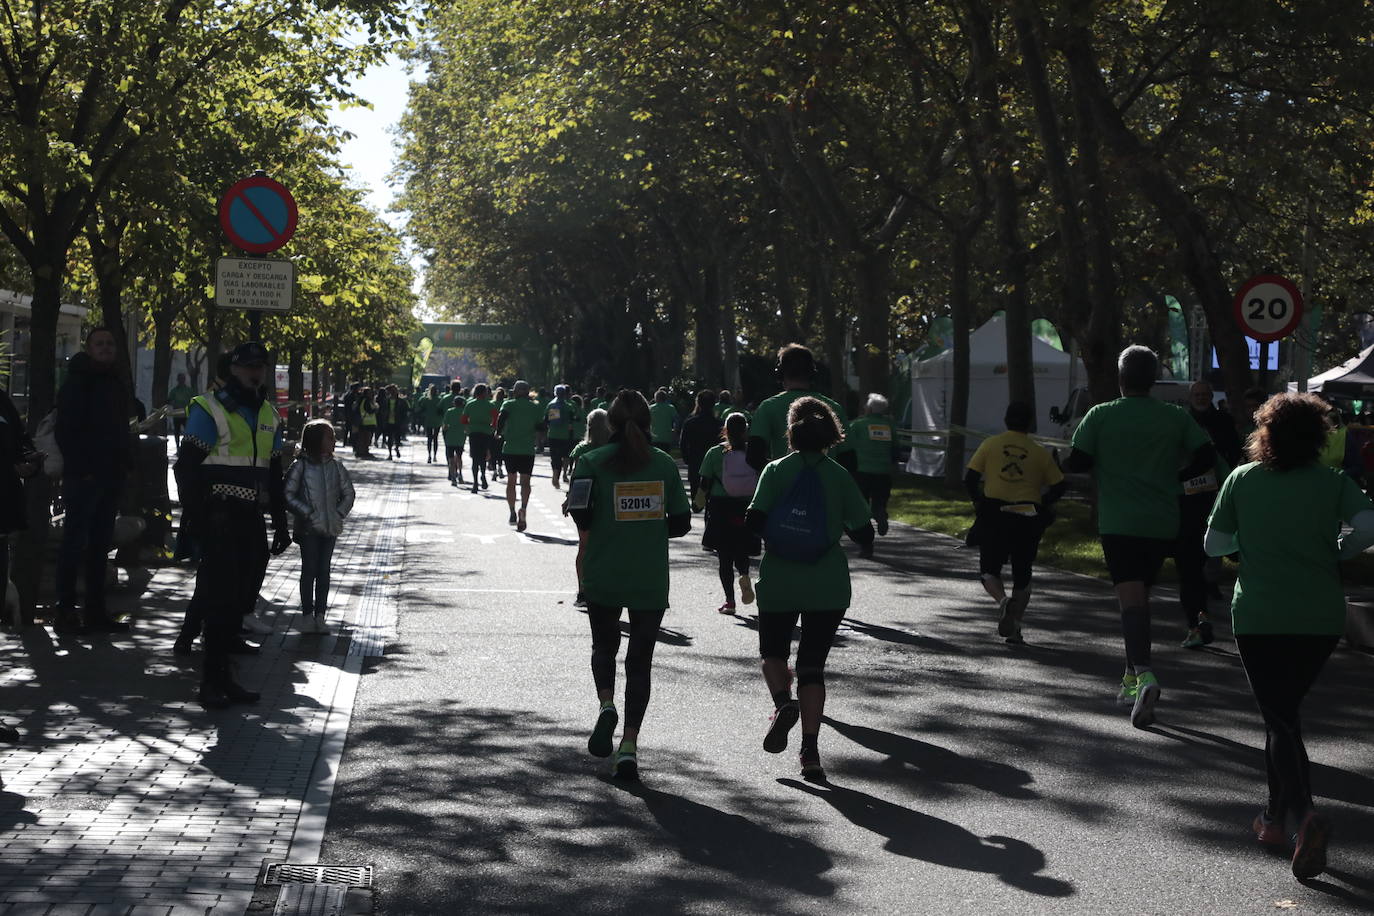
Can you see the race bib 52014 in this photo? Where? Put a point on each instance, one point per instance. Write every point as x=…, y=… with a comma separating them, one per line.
x=879, y=432
x=639, y=501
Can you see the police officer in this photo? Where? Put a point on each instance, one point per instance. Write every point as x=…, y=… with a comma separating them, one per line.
x=229, y=471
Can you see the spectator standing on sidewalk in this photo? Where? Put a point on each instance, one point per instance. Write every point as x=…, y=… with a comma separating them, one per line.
x=229, y=471
x=320, y=494
x=18, y=459
x=1140, y=450
x=93, y=410
x=179, y=398
x=1283, y=514
x=351, y=417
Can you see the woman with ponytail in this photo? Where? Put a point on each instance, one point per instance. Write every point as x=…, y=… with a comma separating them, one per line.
x=627, y=497
x=729, y=481
x=804, y=502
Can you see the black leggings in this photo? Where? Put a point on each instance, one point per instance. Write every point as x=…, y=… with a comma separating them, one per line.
x=1281, y=669
x=817, y=635
x=479, y=445
x=432, y=440
x=1189, y=558
x=729, y=564
x=639, y=656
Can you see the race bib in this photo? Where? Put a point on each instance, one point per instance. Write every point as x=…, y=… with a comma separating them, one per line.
x=639, y=501
x=879, y=432
x=1206, y=483
x=1026, y=509
x=554, y=414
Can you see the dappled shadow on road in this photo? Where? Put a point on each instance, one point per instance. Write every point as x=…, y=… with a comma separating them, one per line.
x=922, y=836
x=926, y=763
x=505, y=812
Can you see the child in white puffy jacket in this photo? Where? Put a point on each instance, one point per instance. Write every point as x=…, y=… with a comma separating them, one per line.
x=320, y=495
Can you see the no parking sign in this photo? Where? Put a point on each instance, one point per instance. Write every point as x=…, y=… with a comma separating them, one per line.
x=258, y=214
x=1268, y=307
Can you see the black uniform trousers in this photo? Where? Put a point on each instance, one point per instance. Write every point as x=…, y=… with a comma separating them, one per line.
x=232, y=565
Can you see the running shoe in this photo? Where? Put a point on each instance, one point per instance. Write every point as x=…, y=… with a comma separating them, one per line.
x=726, y=608
x=1309, y=846
x=511, y=520
x=811, y=769
x=1267, y=832
x=255, y=624
x=474, y=486
x=1204, y=627
x=1147, y=695
x=1129, y=689
x=1006, y=620
x=520, y=521
x=484, y=484
x=626, y=766
x=746, y=589
x=882, y=526
x=1194, y=639
x=580, y=601
x=599, y=744
x=784, y=717
x=1016, y=639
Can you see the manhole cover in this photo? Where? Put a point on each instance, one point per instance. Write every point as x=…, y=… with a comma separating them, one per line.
x=345, y=875
x=311, y=900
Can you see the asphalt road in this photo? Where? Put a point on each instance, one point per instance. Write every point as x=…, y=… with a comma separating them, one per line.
x=966, y=775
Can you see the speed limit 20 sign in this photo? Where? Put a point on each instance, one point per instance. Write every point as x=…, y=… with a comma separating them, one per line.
x=1268, y=307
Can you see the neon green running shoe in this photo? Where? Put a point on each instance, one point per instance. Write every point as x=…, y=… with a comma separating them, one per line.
x=1147, y=695
x=1129, y=690
x=1194, y=639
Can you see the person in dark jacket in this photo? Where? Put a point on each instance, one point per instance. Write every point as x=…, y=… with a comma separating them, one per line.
x=700, y=433
x=93, y=433
x=18, y=459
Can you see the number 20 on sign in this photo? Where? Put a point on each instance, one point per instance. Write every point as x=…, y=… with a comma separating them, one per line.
x=1268, y=307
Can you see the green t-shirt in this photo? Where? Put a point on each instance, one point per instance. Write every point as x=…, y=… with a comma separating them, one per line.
x=600, y=403
x=790, y=585
x=430, y=410
x=455, y=433
x=712, y=468
x=558, y=417
x=578, y=421
x=1286, y=524
x=180, y=396
x=480, y=416
x=662, y=421
x=770, y=420
x=874, y=441
x=520, y=417
x=626, y=559
x=1138, y=446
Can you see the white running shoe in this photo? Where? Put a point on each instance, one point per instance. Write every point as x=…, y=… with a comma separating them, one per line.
x=746, y=589
x=255, y=624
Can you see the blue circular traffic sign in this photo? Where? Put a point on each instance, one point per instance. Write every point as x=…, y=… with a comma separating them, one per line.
x=258, y=214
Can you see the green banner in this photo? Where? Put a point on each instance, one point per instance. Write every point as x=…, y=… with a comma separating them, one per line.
x=476, y=336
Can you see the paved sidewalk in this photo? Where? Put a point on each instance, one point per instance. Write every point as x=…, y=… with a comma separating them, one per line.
x=126, y=797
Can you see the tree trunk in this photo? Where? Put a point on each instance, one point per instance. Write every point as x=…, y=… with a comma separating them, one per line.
x=316, y=385
x=214, y=342
x=1006, y=208
x=875, y=319
x=962, y=320
x=834, y=319
x=1201, y=263
x=104, y=242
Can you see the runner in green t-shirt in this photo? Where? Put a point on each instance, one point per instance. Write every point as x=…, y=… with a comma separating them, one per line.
x=479, y=416
x=558, y=426
x=815, y=591
x=1137, y=448
x=455, y=434
x=634, y=505
x=663, y=421
x=1283, y=514
x=517, y=424
x=873, y=438
x=598, y=433
x=729, y=482
x=179, y=398
x=768, y=428
x=429, y=410
x=578, y=424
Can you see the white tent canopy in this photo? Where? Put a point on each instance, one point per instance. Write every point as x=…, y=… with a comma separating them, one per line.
x=1353, y=378
x=932, y=388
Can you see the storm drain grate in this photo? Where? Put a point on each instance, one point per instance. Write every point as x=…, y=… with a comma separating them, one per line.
x=311, y=900
x=346, y=875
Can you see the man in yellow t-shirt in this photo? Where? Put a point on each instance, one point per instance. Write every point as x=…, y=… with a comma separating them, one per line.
x=1013, y=482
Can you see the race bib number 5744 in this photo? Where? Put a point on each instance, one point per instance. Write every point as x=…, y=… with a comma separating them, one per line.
x=639, y=501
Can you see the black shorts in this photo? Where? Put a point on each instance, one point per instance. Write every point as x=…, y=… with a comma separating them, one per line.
x=1134, y=559
x=453, y=451
x=874, y=486
x=519, y=464
x=1007, y=536
x=559, y=449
